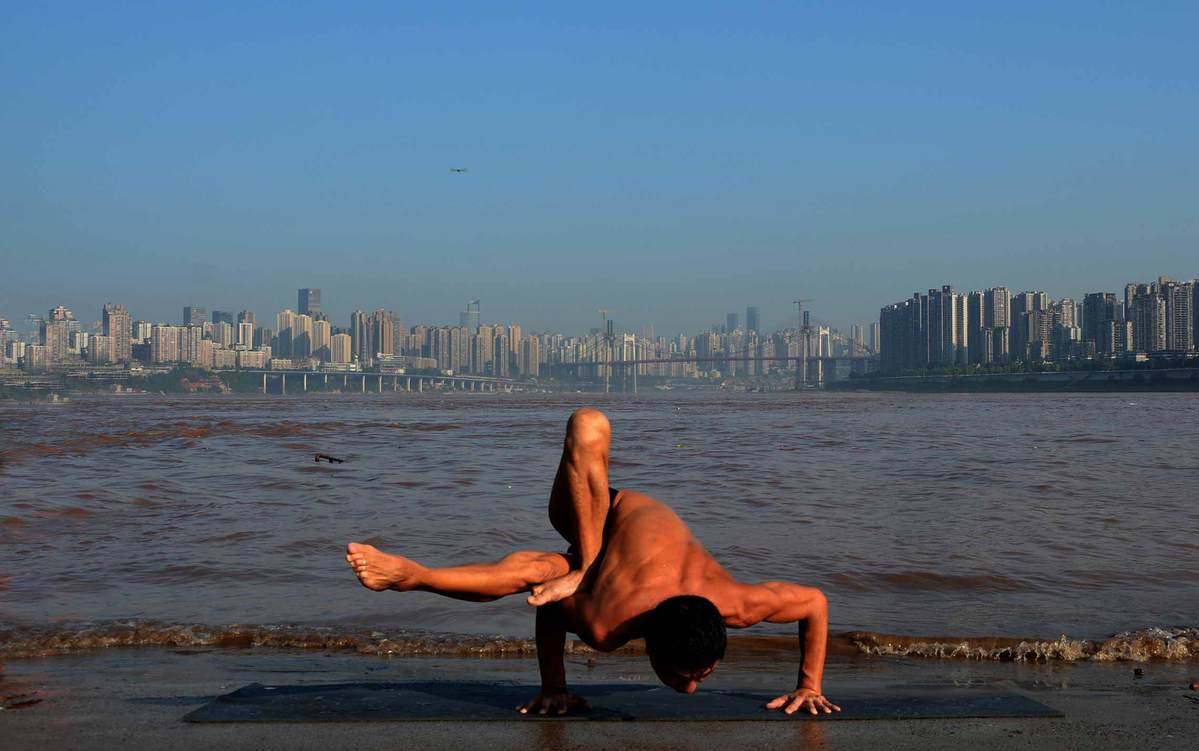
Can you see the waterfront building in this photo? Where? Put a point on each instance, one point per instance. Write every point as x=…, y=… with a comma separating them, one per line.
x=321, y=339
x=753, y=320
x=1179, y=299
x=55, y=334
x=224, y=359
x=1148, y=316
x=253, y=359
x=14, y=351
x=1099, y=314
x=99, y=349
x=360, y=336
x=36, y=358
x=946, y=327
x=246, y=316
x=978, y=349
x=382, y=333
x=202, y=353
x=245, y=334
x=341, y=348
x=732, y=322
x=284, y=322
x=164, y=343
x=301, y=337
x=530, y=357
x=222, y=316
x=998, y=307
x=118, y=328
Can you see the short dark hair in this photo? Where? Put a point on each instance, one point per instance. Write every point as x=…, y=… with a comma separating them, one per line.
x=685, y=632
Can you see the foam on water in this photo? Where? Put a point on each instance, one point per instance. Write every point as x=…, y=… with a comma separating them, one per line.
x=22, y=641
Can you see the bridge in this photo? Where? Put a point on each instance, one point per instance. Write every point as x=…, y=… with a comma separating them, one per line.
x=379, y=382
x=803, y=365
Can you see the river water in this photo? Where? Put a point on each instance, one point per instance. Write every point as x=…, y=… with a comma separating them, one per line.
x=998, y=515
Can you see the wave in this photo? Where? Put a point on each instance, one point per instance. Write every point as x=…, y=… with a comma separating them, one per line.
x=27, y=640
x=1153, y=643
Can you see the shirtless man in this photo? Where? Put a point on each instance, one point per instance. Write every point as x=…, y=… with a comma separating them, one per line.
x=633, y=571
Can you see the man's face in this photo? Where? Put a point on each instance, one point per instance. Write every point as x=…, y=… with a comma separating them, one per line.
x=683, y=681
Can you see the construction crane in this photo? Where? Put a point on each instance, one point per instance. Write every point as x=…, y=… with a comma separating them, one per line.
x=799, y=307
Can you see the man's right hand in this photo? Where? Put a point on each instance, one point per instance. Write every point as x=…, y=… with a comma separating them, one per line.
x=553, y=702
x=555, y=589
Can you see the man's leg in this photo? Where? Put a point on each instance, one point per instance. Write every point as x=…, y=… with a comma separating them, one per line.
x=579, y=500
x=478, y=582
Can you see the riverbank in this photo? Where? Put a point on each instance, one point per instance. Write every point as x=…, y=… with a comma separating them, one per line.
x=138, y=697
x=1162, y=379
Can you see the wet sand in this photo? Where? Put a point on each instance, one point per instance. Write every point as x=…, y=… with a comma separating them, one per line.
x=137, y=697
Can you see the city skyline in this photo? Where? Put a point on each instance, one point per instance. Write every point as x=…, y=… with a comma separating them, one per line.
x=780, y=314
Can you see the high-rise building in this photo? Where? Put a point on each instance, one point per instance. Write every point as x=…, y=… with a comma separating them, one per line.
x=1180, y=322
x=245, y=334
x=1148, y=315
x=309, y=303
x=246, y=316
x=731, y=322
x=164, y=344
x=899, y=336
x=283, y=333
x=194, y=315
x=55, y=334
x=118, y=327
x=752, y=319
x=382, y=333
x=530, y=357
x=998, y=307
x=340, y=348
x=946, y=327
x=978, y=350
x=1099, y=314
x=321, y=339
x=360, y=334
x=469, y=318
x=1195, y=311
x=222, y=316
x=301, y=337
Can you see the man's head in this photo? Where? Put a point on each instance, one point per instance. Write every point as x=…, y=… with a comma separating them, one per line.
x=685, y=639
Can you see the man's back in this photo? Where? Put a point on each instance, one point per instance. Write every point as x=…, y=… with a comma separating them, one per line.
x=649, y=555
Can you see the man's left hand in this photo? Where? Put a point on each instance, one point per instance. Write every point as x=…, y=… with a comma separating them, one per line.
x=803, y=698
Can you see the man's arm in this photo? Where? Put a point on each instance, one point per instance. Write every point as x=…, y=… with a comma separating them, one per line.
x=780, y=602
x=551, y=647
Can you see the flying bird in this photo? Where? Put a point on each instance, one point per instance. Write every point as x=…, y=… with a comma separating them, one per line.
x=458, y=169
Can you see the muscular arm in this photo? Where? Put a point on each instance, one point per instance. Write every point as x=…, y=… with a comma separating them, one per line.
x=552, y=621
x=780, y=602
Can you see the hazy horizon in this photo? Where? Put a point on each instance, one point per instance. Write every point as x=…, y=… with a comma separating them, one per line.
x=671, y=163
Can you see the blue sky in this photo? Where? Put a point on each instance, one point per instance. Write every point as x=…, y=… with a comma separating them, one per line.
x=672, y=161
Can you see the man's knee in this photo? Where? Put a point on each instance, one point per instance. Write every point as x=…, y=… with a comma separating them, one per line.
x=529, y=567
x=588, y=429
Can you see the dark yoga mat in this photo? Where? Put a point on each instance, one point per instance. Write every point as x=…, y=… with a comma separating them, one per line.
x=459, y=701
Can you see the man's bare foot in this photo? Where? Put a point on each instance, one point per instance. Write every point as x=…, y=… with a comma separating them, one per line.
x=379, y=571
x=556, y=589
